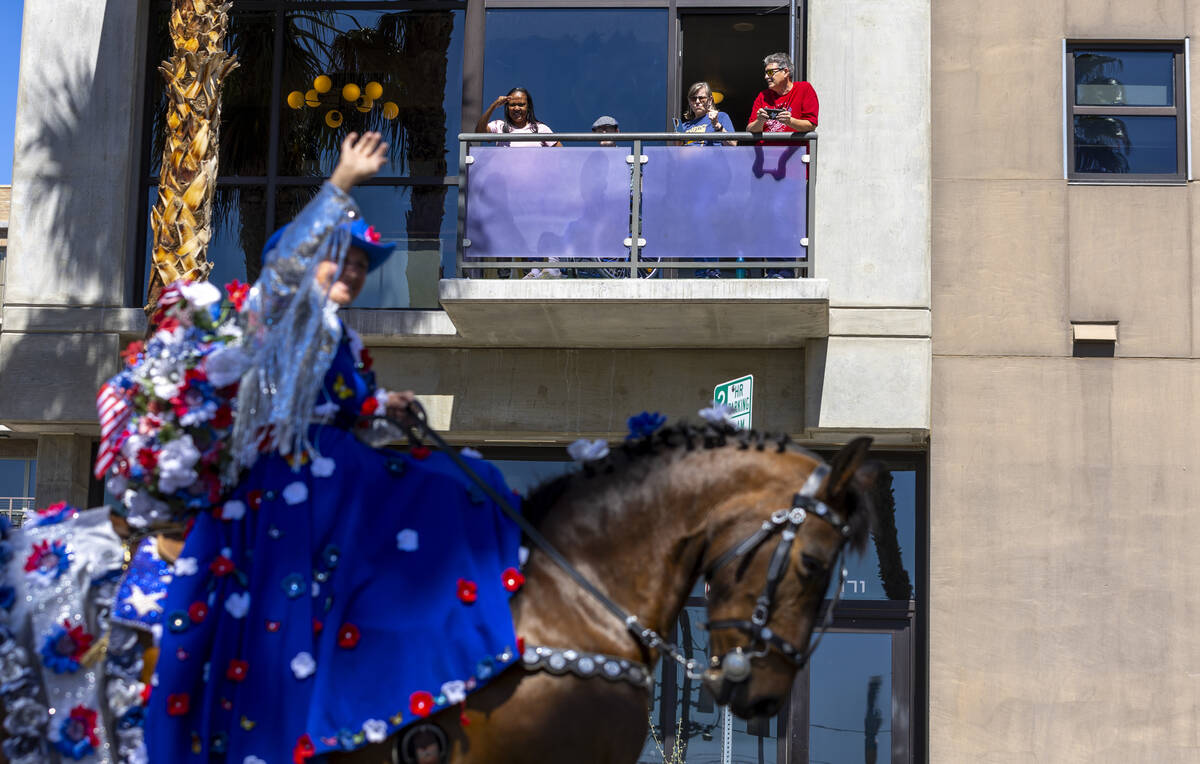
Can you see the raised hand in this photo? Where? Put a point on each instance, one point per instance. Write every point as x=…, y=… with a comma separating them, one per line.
x=361, y=158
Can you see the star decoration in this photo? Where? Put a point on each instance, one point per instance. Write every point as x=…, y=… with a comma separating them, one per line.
x=145, y=603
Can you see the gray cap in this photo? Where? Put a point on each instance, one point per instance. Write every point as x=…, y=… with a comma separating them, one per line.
x=605, y=121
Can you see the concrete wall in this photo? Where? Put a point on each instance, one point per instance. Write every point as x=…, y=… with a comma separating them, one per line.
x=1063, y=490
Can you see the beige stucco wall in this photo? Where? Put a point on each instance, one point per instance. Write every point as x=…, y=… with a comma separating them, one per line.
x=1063, y=491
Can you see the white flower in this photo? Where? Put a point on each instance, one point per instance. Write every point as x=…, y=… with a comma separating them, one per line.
x=175, y=462
x=468, y=451
x=226, y=365
x=116, y=485
x=455, y=691
x=718, y=414
x=295, y=492
x=233, y=510
x=328, y=408
x=133, y=444
x=138, y=754
x=406, y=540
x=252, y=759
x=316, y=589
x=197, y=414
x=303, y=665
x=376, y=730
x=238, y=604
x=186, y=566
x=584, y=450
x=173, y=337
x=323, y=466
x=200, y=294
x=143, y=507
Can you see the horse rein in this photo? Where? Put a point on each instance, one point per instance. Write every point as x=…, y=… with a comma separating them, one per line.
x=651, y=640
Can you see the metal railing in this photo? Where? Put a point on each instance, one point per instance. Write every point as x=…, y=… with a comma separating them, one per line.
x=13, y=507
x=637, y=262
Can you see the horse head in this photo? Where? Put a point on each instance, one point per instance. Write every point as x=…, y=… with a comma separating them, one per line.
x=771, y=554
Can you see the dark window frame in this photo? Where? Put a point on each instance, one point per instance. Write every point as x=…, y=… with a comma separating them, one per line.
x=1179, y=111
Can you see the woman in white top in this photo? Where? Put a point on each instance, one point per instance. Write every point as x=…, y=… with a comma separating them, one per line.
x=518, y=118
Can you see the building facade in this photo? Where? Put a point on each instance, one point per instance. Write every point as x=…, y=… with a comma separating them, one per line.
x=968, y=207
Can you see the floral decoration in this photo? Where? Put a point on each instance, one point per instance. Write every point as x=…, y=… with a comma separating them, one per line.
x=420, y=703
x=167, y=416
x=348, y=636
x=77, y=733
x=295, y=492
x=236, y=670
x=178, y=703
x=198, y=611
x=470, y=453
x=48, y=560
x=233, y=510
x=304, y=750
x=407, y=540
x=718, y=414
x=55, y=514
x=64, y=647
x=237, y=292
x=185, y=566
x=323, y=466
x=303, y=665
x=512, y=579
x=420, y=452
x=221, y=566
x=238, y=604
x=468, y=592
x=644, y=424
x=455, y=691
x=376, y=730
x=584, y=450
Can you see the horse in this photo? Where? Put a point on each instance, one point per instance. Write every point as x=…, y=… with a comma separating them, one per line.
x=643, y=525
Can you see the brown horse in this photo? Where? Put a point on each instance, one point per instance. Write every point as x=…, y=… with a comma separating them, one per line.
x=643, y=525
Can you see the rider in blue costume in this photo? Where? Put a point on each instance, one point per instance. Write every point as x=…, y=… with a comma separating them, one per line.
x=342, y=591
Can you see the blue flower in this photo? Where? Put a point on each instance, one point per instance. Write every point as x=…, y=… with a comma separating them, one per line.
x=134, y=717
x=645, y=424
x=8, y=596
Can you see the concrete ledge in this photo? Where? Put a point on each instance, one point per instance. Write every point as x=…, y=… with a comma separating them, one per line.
x=880, y=322
x=36, y=319
x=629, y=313
x=403, y=327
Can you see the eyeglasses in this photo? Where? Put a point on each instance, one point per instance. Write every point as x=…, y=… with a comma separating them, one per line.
x=770, y=73
x=699, y=98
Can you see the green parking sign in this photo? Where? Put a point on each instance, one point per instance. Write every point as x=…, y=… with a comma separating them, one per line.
x=738, y=395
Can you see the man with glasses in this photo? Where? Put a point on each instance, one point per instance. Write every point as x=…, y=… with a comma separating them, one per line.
x=784, y=107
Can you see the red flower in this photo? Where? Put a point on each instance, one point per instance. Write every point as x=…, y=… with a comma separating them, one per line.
x=80, y=639
x=366, y=360
x=132, y=351
x=237, y=293
x=222, y=566
x=168, y=324
x=87, y=720
x=236, y=671
x=513, y=579
x=223, y=418
x=372, y=235
x=198, y=611
x=304, y=750
x=273, y=626
x=348, y=636
x=420, y=452
x=178, y=704
x=254, y=499
x=318, y=626
x=146, y=693
x=369, y=406
x=467, y=591
x=420, y=703
x=148, y=458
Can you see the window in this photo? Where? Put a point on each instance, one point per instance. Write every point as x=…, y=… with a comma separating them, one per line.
x=17, y=480
x=1126, y=112
x=309, y=72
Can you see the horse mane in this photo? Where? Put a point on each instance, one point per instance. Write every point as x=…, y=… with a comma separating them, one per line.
x=860, y=508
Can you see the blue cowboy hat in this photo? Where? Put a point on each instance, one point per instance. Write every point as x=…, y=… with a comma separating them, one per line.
x=363, y=236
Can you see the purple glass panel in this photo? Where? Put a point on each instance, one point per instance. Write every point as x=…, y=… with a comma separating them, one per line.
x=724, y=202
x=548, y=202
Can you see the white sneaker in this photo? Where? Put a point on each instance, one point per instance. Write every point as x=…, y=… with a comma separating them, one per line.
x=534, y=273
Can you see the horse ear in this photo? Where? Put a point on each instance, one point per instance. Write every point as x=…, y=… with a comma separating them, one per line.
x=845, y=463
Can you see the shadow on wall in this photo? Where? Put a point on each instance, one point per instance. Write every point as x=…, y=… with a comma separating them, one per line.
x=74, y=176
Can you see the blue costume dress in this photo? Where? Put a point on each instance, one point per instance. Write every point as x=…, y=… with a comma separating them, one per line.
x=338, y=595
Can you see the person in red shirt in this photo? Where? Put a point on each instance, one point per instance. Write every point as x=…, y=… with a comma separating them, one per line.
x=785, y=106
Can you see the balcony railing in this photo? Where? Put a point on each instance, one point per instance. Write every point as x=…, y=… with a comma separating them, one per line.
x=646, y=207
x=13, y=507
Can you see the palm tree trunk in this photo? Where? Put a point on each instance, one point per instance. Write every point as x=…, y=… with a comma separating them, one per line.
x=182, y=217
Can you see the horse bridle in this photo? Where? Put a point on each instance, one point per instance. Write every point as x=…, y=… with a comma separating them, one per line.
x=735, y=665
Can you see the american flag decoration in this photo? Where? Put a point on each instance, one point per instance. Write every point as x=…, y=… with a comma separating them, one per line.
x=112, y=404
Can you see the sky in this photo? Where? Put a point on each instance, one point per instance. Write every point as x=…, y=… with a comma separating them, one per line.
x=10, y=52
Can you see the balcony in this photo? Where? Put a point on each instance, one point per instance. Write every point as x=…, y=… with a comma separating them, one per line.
x=601, y=246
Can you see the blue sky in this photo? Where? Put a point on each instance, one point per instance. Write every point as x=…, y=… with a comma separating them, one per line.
x=10, y=52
